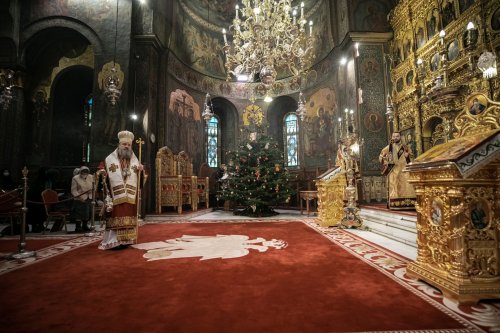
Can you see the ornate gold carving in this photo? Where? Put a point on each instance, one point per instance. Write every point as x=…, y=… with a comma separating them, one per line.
x=479, y=114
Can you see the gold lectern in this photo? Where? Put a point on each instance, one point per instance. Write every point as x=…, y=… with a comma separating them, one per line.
x=458, y=223
x=331, y=186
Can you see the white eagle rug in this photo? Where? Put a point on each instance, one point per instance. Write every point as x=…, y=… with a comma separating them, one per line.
x=207, y=247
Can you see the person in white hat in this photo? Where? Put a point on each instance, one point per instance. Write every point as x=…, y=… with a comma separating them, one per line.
x=122, y=169
x=81, y=189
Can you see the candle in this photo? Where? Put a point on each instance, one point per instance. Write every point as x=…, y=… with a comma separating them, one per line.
x=441, y=37
x=301, y=10
x=310, y=28
x=224, y=34
x=294, y=13
x=237, y=7
x=340, y=126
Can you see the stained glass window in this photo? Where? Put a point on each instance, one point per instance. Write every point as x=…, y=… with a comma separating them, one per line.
x=213, y=141
x=291, y=139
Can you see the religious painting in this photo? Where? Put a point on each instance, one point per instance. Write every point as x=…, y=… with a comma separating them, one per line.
x=469, y=37
x=184, y=122
x=495, y=20
x=432, y=22
x=370, y=69
x=253, y=115
x=371, y=15
x=399, y=85
x=434, y=63
x=448, y=12
x=478, y=214
x=453, y=50
x=436, y=212
x=318, y=123
x=409, y=139
x=464, y=4
x=409, y=78
x=199, y=46
x=420, y=37
x=373, y=121
x=407, y=48
x=476, y=104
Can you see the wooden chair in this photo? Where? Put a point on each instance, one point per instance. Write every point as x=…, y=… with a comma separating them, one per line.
x=167, y=187
x=189, y=186
x=50, y=200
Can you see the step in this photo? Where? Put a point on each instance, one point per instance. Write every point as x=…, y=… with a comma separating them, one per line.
x=401, y=227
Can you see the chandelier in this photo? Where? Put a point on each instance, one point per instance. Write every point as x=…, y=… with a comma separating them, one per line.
x=207, y=113
x=112, y=82
x=301, y=107
x=268, y=37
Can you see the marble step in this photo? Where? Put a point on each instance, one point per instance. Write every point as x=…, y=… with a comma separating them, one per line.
x=396, y=226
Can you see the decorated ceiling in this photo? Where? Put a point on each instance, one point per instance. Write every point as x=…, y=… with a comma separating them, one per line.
x=222, y=12
x=198, y=43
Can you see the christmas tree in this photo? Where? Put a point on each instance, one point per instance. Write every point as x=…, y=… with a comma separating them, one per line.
x=255, y=177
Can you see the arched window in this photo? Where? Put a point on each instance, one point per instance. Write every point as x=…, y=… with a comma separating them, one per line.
x=213, y=142
x=291, y=137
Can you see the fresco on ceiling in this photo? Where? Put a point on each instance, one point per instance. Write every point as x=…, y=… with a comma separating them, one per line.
x=371, y=15
x=201, y=48
x=197, y=46
x=318, y=126
x=322, y=32
x=222, y=12
x=185, y=129
x=100, y=13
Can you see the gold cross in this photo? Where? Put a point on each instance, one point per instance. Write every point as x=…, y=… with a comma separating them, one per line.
x=113, y=167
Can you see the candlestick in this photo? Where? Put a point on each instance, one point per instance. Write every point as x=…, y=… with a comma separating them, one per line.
x=346, y=121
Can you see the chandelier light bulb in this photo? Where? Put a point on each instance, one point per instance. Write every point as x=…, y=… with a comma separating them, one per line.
x=442, y=33
x=343, y=61
x=267, y=38
x=470, y=26
x=419, y=61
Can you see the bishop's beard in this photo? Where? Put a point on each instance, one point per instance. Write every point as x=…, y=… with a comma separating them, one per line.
x=124, y=153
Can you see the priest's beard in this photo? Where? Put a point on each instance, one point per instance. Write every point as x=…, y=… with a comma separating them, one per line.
x=124, y=153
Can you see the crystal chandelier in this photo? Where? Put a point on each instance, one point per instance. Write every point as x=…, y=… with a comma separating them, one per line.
x=207, y=113
x=301, y=108
x=112, y=82
x=111, y=87
x=268, y=37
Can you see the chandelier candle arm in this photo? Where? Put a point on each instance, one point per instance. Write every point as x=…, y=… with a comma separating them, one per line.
x=267, y=38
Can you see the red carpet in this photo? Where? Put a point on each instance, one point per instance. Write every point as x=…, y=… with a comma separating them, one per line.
x=312, y=286
x=11, y=244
